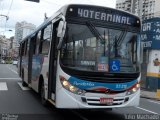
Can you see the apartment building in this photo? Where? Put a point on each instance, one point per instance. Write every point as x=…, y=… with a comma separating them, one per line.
x=126, y=5
x=145, y=9
x=22, y=29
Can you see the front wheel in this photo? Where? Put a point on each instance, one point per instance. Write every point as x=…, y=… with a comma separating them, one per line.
x=42, y=93
x=23, y=82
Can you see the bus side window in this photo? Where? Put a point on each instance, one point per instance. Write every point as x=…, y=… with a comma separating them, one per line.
x=22, y=49
x=25, y=47
x=37, y=43
x=45, y=42
x=34, y=46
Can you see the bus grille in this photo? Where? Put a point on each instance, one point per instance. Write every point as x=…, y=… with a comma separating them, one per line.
x=96, y=101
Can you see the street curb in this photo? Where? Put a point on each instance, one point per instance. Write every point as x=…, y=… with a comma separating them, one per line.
x=158, y=99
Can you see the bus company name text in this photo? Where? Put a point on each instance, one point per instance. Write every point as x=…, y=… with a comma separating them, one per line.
x=88, y=63
x=103, y=16
x=83, y=84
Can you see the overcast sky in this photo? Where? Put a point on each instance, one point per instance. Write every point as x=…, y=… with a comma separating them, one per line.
x=21, y=10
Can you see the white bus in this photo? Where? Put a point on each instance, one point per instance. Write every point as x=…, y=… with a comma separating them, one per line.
x=84, y=56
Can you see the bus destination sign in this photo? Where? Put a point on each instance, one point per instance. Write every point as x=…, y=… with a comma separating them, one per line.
x=102, y=14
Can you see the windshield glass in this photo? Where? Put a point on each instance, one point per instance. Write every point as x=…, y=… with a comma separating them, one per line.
x=90, y=48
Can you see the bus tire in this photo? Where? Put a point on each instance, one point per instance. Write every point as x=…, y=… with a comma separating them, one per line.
x=109, y=109
x=23, y=82
x=42, y=94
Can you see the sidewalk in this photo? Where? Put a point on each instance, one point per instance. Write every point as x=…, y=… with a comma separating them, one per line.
x=149, y=95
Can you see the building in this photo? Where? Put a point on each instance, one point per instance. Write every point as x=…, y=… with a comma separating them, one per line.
x=145, y=9
x=22, y=29
x=150, y=37
x=126, y=5
x=4, y=42
x=13, y=48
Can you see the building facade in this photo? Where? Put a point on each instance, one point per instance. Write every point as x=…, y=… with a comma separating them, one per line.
x=4, y=46
x=145, y=9
x=22, y=29
x=151, y=53
x=126, y=5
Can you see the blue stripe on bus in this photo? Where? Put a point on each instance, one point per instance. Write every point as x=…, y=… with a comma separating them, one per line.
x=82, y=84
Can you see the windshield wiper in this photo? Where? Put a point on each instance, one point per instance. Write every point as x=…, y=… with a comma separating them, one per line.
x=94, y=31
x=118, y=41
x=121, y=37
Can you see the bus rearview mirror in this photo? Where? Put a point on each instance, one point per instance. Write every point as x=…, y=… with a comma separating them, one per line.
x=61, y=32
x=61, y=29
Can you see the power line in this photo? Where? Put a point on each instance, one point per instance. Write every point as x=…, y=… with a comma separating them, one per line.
x=8, y=15
x=1, y=9
x=49, y=2
x=10, y=7
x=1, y=6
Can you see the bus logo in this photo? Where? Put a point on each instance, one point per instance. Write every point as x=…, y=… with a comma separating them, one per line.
x=107, y=91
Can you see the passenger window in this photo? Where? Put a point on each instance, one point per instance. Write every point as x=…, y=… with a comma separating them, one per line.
x=38, y=39
x=45, y=43
x=22, y=49
x=25, y=48
x=45, y=47
x=34, y=46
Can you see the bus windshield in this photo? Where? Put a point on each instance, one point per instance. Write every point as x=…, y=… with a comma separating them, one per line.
x=92, y=48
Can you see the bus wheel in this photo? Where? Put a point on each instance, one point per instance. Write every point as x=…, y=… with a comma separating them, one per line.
x=42, y=93
x=23, y=83
x=109, y=109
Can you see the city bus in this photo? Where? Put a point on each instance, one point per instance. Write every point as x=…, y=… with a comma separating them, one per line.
x=84, y=56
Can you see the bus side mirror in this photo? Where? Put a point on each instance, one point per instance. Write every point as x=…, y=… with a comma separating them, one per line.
x=60, y=33
x=61, y=29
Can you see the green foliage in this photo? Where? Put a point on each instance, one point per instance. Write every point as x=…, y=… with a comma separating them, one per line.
x=8, y=61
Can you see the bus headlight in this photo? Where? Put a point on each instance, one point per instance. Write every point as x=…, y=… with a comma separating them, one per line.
x=133, y=89
x=65, y=83
x=68, y=86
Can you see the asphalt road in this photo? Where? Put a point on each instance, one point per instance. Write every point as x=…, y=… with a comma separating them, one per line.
x=24, y=104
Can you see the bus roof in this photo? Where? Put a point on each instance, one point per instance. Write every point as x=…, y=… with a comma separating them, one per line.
x=63, y=11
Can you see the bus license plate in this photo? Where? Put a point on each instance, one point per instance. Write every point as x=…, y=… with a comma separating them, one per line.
x=106, y=101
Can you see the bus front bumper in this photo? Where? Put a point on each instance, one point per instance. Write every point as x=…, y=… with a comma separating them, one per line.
x=66, y=99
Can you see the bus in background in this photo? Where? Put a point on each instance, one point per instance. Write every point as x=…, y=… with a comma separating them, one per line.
x=84, y=56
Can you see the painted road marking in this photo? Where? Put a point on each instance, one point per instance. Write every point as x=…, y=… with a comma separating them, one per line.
x=147, y=110
x=154, y=102
x=10, y=79
x=12, y=70
x=3, y=86
x=23, y=88
x=79, y=115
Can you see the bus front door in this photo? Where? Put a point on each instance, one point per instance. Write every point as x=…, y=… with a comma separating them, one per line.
x=53, y=64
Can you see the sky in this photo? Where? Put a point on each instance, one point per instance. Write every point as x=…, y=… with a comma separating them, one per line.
x=32, y=12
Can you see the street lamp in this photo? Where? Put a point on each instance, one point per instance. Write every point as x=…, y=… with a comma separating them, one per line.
x=5, y=31
x=5, y=16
